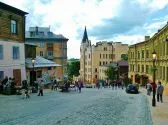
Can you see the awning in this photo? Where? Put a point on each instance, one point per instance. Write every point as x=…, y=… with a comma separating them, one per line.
x=40, y=62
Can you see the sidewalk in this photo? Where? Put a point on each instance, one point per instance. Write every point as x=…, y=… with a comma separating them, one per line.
x=160, y=112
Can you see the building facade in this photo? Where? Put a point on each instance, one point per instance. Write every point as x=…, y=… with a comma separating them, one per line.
x=141, y=62
x=50, y=46
x=12, y=38
x=94, y=56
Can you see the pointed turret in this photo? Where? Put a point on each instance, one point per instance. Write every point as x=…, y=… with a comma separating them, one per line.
x=85, y=36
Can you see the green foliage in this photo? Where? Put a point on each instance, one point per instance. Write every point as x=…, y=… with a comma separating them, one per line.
x=110, y=73
x=73, y=69
x=124, y=57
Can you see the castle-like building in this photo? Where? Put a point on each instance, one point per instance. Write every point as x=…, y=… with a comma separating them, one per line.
x=93, y=57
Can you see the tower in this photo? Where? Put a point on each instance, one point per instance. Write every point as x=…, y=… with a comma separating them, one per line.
x=83, y=48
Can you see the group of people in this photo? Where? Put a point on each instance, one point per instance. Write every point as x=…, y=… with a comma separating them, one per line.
x=7, y=86
x=112, y=84
x=78, y=85
x=157, y=88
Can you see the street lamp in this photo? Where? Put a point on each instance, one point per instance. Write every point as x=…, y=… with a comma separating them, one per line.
x=154, y=75
x=32, y=73
x=33, y=61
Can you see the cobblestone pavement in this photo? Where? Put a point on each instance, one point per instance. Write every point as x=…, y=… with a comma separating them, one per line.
x=91, y=107
x=160, y=112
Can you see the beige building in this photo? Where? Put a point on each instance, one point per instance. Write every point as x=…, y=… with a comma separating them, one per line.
x=141, y=63
x=49, y=46
x=95, y=56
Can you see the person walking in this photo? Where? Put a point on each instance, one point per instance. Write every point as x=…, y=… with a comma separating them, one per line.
x=148, y=88
x=160, y=89
x=80, y=86
x=41, y=86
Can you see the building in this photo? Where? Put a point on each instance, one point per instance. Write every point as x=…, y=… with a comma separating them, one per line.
x=121, y=69
x=141, y=62
x=94, y=56
x=50, y=46
x=12, y=38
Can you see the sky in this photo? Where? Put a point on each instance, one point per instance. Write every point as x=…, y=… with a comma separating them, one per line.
x=126, y=21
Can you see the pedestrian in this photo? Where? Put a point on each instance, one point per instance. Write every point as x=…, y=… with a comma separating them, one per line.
x=41, y=86
x=122, y=84
x=160, y=89
x=80, y=86
x=148, y=88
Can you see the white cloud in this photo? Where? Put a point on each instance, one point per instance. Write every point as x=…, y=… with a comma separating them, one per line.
x=66, y=17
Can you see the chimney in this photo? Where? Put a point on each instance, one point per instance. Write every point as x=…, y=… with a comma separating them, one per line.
x=147, y=38
x=36, y=30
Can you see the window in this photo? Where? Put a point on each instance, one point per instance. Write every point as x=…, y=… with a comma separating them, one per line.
x=147, y=69
x=49, y=44
x=1, y=75
x=99, y=63
x=1, y=52
x=100, y=56
x=106, y=56
x=95, y=76
x=142, y=53
x=16, y=53
x=95, y=69
x=138, y=55
x=163, y=73
x=13, y=26
x=89, y=56
x=32, y=34
x=167, y=75
x=147, y=53
x=142, y=68
x=50, y=53
x=49, y=68
x=41, y=44
x=41, y=53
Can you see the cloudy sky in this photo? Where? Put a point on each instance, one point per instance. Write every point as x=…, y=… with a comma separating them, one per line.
x=126, y=21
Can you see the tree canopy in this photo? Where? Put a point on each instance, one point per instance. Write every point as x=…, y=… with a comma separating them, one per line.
x=73, y=69
x=124, y=57
x=110, y=73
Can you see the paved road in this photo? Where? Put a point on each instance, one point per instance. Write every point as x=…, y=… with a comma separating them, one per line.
x=91, y=107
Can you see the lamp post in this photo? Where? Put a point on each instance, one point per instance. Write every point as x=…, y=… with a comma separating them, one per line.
x=154, y=75
x=33, y=61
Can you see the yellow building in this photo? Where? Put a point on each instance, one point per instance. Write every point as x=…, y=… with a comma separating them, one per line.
x=93, y=57
x=141, y=62
x=50, y=46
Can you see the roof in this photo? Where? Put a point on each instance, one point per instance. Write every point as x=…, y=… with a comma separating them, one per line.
x=122, y=63
x=12, y=9
x=40, y=62
x=42, y=34
x=113, y=64
x=31, y=44
x=85, y=36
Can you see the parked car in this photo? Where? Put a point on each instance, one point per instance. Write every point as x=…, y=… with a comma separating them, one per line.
x=132, y=88
x=88, y=86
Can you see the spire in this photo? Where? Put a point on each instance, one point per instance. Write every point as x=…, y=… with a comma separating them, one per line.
x=85, y=36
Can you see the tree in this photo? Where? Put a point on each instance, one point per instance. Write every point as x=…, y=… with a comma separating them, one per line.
x=73, y=69
x=110, y=73
x=124, y=57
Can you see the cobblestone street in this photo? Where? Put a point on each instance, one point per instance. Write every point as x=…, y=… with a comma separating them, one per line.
x=91, y=107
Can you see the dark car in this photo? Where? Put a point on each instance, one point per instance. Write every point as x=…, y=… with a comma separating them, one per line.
x=132, y=88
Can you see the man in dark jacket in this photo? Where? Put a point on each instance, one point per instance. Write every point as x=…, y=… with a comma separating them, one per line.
x=160, y=89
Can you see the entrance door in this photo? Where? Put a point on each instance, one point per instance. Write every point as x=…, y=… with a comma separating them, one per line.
x=17, y=76
x=32, y=77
